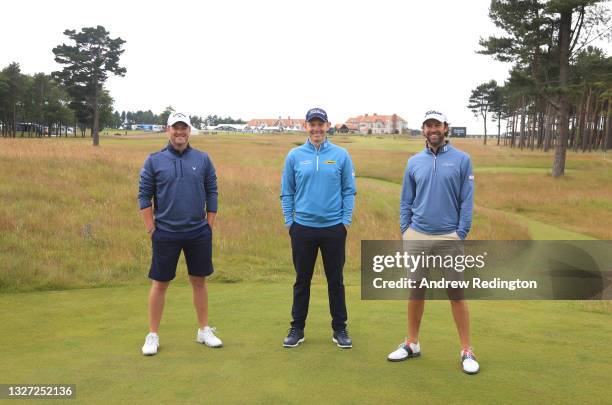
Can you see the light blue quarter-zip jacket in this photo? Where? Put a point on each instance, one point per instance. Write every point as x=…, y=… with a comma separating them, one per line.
x=318, y=186
x=438, y=192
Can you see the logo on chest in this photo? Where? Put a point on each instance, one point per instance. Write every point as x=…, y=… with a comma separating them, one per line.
x=306, y=162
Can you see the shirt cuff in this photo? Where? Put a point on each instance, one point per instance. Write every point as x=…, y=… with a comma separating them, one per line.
x=144, y=204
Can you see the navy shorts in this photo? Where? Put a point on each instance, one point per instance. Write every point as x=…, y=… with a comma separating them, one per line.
x=167, y=246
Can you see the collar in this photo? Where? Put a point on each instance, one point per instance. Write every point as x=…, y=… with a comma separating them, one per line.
x=324, y=145
x=172, y=150
x=441, y=149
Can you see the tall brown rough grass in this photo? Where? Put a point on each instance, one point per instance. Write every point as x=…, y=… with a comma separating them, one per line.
x=69, y=215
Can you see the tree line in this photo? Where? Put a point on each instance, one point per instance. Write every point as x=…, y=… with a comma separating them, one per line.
x=149, y=117
x=75, y=97
x=43, y=104
x=559, y=91
x=37, y=105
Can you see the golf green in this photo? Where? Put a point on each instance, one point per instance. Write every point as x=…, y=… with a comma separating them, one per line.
x=558, y=352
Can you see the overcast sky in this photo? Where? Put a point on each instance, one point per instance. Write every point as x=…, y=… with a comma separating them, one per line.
x=260, y=59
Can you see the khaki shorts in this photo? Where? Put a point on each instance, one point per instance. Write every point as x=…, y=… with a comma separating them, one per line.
x=411, y=234
x=422, y=243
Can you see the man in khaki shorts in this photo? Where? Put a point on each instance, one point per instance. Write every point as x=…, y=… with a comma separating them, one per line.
x=436, y=204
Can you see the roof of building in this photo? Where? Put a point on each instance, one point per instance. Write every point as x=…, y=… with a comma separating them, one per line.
x=374, y=118
x=270, y=122
x=346, y=124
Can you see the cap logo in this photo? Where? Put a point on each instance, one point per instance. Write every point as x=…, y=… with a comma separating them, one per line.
x=316, y=113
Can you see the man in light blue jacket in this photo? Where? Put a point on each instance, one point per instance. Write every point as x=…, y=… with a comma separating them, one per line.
x=317, y=196
x=436, y=204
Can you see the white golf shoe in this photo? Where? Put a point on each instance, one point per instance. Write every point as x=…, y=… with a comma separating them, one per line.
x=405, y=351
x=468, y=362
x=151, y=344
x=207, y=337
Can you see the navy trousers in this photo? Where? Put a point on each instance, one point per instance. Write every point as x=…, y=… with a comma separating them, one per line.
x=305, y=243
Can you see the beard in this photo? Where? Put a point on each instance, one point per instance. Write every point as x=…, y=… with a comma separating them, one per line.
x=435, y=139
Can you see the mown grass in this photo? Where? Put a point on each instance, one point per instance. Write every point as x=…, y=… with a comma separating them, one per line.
x=69, y=216
x=530, y=352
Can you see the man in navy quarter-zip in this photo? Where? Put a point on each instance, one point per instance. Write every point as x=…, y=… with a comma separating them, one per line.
x=436, y=204
x=178, y=203
x=317, y=198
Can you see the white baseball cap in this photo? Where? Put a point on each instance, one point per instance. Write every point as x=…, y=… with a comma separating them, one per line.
x=435, y=115
x=179, y=117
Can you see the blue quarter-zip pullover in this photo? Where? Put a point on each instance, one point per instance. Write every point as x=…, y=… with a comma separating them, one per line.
x=318, y=186
x=438, y=192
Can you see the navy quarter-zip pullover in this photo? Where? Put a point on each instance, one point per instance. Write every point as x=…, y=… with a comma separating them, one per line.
x=183, y=187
